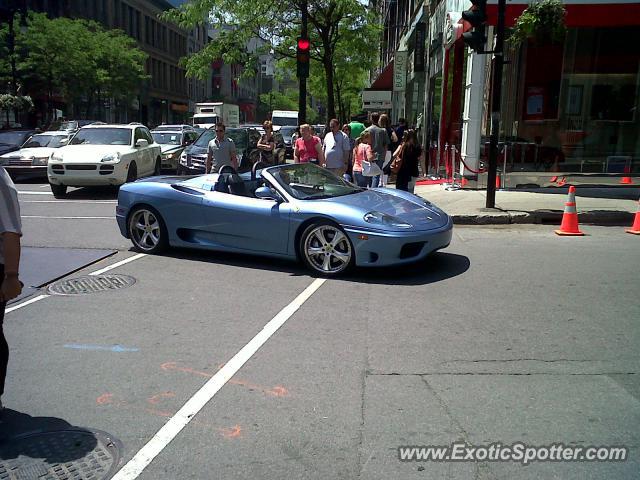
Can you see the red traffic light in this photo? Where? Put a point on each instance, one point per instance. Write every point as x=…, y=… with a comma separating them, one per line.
x=303, y=44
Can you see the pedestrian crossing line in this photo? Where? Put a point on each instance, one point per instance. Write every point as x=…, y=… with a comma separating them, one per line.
x=189, y=410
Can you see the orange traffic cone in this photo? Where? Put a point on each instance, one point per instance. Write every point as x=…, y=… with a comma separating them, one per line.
x=626, y=180
x=635, y=228
x=569, y=224
x=497, y=181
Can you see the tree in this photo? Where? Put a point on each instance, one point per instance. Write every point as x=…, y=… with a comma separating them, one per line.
x=341, y=31
x=76, y=59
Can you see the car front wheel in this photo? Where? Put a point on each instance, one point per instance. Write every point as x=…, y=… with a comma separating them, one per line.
x=326, y=249
x=59, y=191
x=147, y=230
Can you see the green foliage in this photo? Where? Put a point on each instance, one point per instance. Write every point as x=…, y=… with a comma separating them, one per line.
x=541, y=21
x=342, y=33
x=77, y=59
x=19, y=103
x=287, y=101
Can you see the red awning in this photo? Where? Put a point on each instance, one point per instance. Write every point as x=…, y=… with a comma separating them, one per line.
x=602, y=14
x=385, y=79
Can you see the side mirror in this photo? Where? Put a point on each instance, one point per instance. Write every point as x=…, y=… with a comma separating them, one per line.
x=266, y=193
x=141, y=142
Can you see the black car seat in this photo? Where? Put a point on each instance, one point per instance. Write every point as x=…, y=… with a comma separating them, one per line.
x=236, y=185
x=221, y=183
x=226, y=169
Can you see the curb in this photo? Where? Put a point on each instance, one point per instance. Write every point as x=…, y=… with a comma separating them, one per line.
x=544, y=217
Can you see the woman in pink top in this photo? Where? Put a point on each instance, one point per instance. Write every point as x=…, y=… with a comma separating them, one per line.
x=308, y=147
x=361, y=153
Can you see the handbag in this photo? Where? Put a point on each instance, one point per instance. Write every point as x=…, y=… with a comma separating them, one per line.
x=370, y=169
x=396, y=163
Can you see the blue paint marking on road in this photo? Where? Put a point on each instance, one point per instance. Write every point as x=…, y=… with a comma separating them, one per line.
x=107, y=348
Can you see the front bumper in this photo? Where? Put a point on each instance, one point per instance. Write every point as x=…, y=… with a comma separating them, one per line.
x=26, y=171
x=87, y=174
x=381, y=249
x=193, y=170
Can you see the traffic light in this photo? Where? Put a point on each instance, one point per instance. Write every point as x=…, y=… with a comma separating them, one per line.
x=476, y=16
x=303, y=57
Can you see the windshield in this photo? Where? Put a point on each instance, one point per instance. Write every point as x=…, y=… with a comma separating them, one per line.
x=285, y=121
x=53, y=141
x=102, y=136
x=205, y=120
x=166, y=138
x=287, y=132
x=205, y=138
x=310, y=182
x=12, y=138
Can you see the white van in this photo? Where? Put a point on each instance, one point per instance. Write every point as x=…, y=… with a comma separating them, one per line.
x=282, y=118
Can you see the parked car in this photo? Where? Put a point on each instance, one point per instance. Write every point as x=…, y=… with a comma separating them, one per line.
x=298, y=211
x=12, y=140
x=194, y=158
x=31, y=160
x=287, y=133
x=75, y=125
x=172, y=143
x=104, y=155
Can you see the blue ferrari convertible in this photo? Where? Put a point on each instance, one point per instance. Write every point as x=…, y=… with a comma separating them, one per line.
x=298, y=211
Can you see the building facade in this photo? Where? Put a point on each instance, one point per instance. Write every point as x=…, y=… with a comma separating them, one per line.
x=166, y=97
x=569, y=110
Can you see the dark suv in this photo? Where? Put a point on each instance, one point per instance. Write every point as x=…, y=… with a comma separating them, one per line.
x=194, y=158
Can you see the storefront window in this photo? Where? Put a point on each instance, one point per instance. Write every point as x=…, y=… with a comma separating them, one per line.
x=576, y=104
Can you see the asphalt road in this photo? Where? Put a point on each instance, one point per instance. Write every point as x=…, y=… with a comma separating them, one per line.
x=510, y=335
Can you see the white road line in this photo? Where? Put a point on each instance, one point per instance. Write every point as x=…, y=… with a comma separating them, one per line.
x=35, y=193
x=24, y=304
x=117, y=264
x=97, y=272
x=181, y=419
x=113, y=217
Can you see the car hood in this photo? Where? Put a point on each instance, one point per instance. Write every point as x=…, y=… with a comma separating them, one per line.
x=166, y=148
x=90, y=153
x=410, y=208
x=8, y=148
x=37, y=152
x=196, y=150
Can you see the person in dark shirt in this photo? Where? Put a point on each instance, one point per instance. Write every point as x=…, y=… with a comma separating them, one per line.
x=411, y=152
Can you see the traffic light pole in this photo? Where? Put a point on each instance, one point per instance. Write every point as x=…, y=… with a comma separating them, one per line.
x=496, y=94
x=302, y=97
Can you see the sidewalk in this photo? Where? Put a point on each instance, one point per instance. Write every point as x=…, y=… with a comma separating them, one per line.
x=597, y=206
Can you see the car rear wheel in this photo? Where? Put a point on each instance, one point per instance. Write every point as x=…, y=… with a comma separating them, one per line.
x=132, y=174
x=59, y=191
x=147, y=230
x=326, y=249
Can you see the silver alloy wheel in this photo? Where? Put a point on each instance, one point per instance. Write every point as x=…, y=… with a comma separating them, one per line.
x=327, y=249
x=145, y=229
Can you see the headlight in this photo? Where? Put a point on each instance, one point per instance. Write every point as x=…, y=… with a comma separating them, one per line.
x=111, y=158
x=184, y=158
x=56, y=157
x=379, y=218
x=41, y=161
x=170, y=156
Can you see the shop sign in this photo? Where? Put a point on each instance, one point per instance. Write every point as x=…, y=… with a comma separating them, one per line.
x=400, y=71
x=419, y=49
x=376, y=100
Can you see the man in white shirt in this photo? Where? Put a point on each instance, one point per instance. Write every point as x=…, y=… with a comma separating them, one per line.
x=10, y=286
x=221, y=151
x=336, y=149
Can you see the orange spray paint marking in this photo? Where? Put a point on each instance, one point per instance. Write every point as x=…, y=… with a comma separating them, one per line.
x=155, y=399
x=231, y=432
x=277, y=391
x=105, y=399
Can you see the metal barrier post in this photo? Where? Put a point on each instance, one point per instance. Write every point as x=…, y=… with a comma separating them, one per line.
x=504, y=167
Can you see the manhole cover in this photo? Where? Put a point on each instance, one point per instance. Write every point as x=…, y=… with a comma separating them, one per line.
x=90, y=284
x=63, y=454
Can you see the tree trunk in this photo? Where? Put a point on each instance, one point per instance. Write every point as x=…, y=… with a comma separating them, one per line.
x=328, y=70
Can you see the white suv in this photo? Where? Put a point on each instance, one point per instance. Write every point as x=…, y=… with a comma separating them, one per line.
x=104, y=155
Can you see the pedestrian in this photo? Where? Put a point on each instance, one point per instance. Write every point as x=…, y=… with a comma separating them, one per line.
x=402, y=126
x=308, y=148
x=362, y=153
x=411, y=153
x=379, y=143
x=221, y=151
x=348, y=175
x=336, y=149
x=10, y=285
x=356, y=129
x=391, y=147
x=267, y=144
